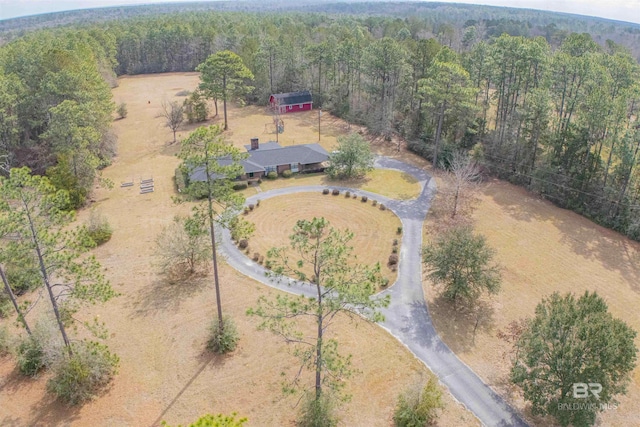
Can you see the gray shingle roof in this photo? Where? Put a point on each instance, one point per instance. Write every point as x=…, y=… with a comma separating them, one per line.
x=304, y=154
x=258, y=160
x=271, y=145
x=198, y=174
x=292, y=98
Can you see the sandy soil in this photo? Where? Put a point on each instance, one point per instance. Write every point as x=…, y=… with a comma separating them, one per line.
x=542, y=249
x=159, y=330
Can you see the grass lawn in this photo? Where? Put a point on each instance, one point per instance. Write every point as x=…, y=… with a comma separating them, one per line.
x=374, y=230
x=159, y=330
x=390, y=183
x=542, y=249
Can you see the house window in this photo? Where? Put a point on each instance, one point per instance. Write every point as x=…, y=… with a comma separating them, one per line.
x=294, y=167
x=270, y=169
x=250, y=174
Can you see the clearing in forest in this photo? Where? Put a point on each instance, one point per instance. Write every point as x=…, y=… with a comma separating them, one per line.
x=160, y=330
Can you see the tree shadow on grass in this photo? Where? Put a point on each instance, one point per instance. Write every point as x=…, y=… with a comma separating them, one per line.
x=163, y=294
x=349, y=183
x=585, y=238
x=458, y=325
x=205, y=358
x=14, y=381
x=49, y=411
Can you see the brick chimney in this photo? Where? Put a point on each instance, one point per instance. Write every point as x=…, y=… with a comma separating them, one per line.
x=254, y=144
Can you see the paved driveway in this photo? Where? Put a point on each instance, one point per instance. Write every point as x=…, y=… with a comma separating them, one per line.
x=407, y=317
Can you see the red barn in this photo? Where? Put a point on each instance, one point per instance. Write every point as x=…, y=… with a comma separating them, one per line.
x=291, y=102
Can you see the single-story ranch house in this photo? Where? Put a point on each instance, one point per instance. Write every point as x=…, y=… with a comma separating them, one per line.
x=291, y=102
x=271, y=157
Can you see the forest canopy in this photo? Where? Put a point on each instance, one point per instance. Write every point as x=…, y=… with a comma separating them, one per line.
x=553, y=111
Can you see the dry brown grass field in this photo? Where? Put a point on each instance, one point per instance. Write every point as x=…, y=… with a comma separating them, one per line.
x=374, y=230
x=159, y=330
x=542, y=249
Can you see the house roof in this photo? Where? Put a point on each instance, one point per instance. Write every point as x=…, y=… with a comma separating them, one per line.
x=198, y=174
x=258, y=160
x=271, y=145
x=301, y=97
x=304, y=154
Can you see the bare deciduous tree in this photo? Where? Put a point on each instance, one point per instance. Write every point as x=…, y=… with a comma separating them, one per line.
x=173, y=113
x=183, y=247
x=465, y=173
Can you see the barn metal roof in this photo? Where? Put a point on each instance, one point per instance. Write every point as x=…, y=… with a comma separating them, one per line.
x=291, y=98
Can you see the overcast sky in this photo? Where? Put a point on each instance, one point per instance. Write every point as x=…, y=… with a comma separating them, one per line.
x=622, y=10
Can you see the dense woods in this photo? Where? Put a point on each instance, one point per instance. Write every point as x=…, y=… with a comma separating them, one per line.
x=556, y=113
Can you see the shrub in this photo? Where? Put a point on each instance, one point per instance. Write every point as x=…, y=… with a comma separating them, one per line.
x=5, y=305
x=256, y=256
x=347, y=194
x=335, y=192
x=257, y=203
x=268, y=264
x=22, y=278
x=287, y=174
x=5, y=344
x=374, y=202
x=225, y=339
x=385, y=282
x=30, y=356
x=246, y=210
x=261, y=260
x=122, y=110
x=317, y=412
x=240, y=186
x=252, y=207
x=217, y=420
x=419, y=407
x=180, y=180
x=272, y=175
x=399, y=230
x=79, y=377
x=355, y=196
x=364, y=199
x=383, y=207
x=98, y=228
x=198, y=190
x=247, y=251
x=325, y=191
x=243, y=244
x=259, y=181
x=394, y=250
x=395, y=242
x=393, y=259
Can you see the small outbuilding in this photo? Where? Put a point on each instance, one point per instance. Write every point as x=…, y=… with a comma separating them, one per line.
x=291, y=102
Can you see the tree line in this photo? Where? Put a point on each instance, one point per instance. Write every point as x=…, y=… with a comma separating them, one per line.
x=559, y=120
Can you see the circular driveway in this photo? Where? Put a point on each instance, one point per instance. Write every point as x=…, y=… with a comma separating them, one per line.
x=407, y=317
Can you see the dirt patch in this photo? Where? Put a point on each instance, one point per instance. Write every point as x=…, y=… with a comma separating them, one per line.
x=159, y=331
x=542, y=249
